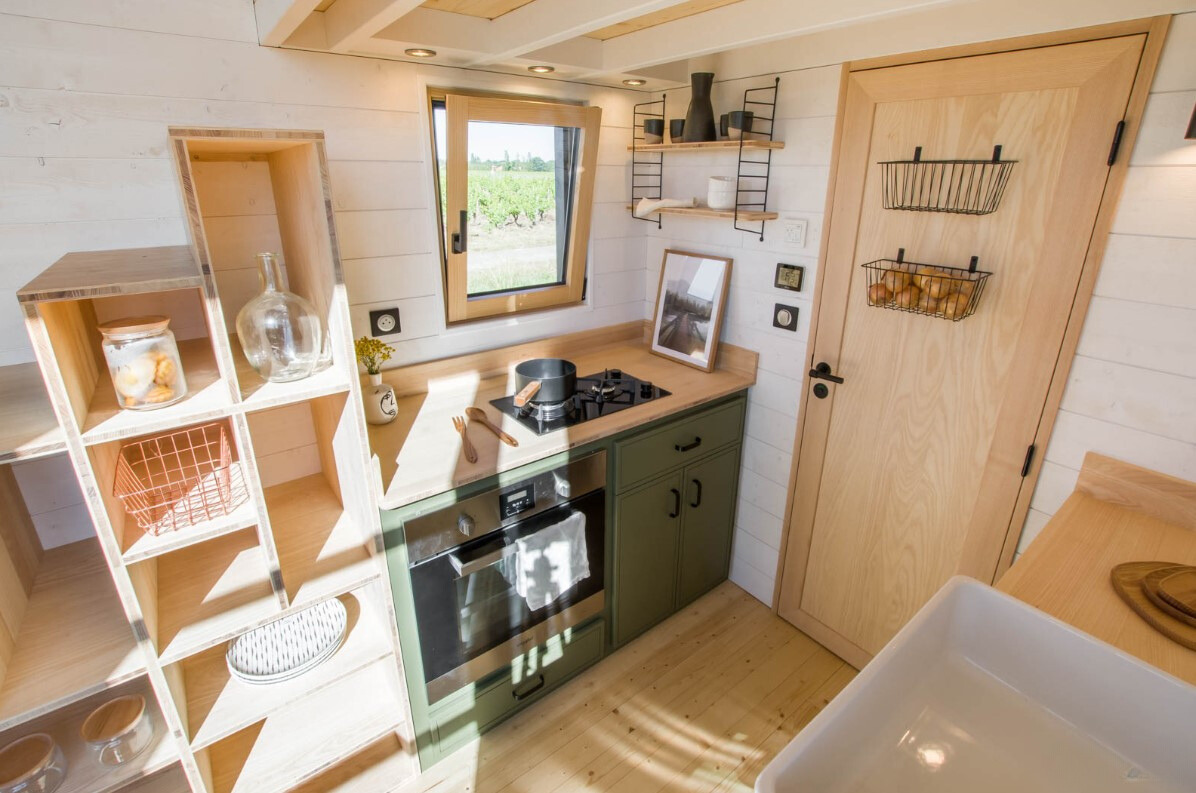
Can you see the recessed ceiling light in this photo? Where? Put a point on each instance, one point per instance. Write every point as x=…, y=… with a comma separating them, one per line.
x=541, y=69
x=634, y=82
x=420, y=52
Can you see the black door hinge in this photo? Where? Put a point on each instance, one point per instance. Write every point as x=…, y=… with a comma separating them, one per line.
x=1029, y=459
x=1117, y=133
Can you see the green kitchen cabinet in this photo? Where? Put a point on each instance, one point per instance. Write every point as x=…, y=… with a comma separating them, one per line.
x=708, y=521
x=647, y=542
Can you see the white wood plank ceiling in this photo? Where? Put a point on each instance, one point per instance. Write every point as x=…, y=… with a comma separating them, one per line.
x=601, y=41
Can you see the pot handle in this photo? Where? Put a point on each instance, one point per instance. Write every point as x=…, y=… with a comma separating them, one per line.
x=529, y=391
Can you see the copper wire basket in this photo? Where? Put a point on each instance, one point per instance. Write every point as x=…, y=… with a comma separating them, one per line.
x=168, y=482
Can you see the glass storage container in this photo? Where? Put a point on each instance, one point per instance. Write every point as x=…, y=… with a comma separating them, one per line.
x=33, y=764
x=118, y=730
x=143, y=360
x=282, y=335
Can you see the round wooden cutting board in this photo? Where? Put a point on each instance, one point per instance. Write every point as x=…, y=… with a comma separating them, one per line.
x=1127, y=582
x=1180, y=590
x=1150, y=585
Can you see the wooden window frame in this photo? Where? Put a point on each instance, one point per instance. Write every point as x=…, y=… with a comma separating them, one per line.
x=460, y=109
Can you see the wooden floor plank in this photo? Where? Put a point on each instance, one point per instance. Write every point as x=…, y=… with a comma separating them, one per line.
x=699, y=703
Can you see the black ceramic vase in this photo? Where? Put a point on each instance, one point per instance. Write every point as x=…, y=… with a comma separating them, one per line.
x=699, y=120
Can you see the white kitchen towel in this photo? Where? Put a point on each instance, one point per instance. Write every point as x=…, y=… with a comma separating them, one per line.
x=552, y=561
x=647, y=206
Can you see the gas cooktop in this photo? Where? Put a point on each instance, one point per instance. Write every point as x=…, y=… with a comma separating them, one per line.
x=595, y=396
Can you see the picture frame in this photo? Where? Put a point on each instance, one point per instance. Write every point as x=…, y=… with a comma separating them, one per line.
x=690, y=304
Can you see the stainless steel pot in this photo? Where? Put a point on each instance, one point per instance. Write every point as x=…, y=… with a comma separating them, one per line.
x=544, y=380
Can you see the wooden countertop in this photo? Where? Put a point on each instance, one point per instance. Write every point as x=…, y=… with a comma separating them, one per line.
x=419, y=453
x=1118, y=513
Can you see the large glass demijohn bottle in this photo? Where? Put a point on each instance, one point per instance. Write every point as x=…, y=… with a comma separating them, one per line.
x=282, y=335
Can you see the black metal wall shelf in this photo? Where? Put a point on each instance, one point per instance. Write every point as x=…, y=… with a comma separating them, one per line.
x=962, y=187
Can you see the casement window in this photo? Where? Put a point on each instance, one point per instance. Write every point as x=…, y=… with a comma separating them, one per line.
x=515, y=184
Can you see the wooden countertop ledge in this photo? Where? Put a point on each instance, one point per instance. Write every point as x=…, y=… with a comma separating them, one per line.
x=1117, y=513
x=419, y=453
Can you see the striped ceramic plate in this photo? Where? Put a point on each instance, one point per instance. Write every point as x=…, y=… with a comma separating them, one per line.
x=290, y=646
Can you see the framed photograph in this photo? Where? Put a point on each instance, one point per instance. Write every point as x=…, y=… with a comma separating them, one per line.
x=690, y=306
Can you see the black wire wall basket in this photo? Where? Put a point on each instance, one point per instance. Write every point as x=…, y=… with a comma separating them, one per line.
x=947, y=292
x=962, y=187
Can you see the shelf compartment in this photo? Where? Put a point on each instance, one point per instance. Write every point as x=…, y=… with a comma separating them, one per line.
x=960, y=187
x=85, y=774
x=73, y=640
x=116, y=272
x=70, y=328
x=709, y=145
x=382, y=765
x=258, y=394
x=707, y=212
x=282, y=751
x=218, y=705
x=205, y=594
x=28, y=426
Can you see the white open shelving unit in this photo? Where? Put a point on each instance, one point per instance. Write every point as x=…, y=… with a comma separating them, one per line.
x=130, y=609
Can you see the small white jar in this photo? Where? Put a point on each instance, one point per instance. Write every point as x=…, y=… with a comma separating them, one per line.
x=721, y=192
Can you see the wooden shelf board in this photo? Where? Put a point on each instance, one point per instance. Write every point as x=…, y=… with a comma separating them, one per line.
x=283, y=750
x=28, y=427
x=383, y=765
x=74, y=639
x=84, y=773
x=320, y=551
x=207, y=398
x=210, y=592
x=258, y=394
x=707, y=212
x=77, y=276
x=171, y=779
x=140, y=545
x=709, y=145
x=219, y=705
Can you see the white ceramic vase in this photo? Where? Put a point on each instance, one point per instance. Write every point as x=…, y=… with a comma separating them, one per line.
x=379, y=398
x=721, y=192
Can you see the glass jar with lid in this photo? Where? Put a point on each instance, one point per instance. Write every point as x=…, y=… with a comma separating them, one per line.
x=33, y=764
x=143, y=360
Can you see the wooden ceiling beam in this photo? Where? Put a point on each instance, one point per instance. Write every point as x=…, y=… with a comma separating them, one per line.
x=278, y=19
x=350, y=23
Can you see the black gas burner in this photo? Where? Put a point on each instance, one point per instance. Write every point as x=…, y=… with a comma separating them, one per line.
x=594, y=396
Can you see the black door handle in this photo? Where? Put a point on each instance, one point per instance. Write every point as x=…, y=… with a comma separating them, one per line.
x=676, y=502
x=460, y=238
x=697, y=502
x=518, y=695
x=823, y=372
x=697, y=441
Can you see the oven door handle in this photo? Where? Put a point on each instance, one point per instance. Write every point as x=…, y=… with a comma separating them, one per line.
x=465, y=567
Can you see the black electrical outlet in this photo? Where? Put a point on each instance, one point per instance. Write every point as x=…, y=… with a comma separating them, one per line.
x=789, y=276
x=784, y=317
x=385, y=322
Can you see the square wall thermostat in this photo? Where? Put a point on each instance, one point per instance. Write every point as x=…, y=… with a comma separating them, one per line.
x=789, y=276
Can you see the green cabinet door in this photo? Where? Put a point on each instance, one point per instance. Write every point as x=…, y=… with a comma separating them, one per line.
x=709, y=490
x=647, y=532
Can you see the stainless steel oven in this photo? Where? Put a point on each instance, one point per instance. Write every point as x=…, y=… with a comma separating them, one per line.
x=506, y=570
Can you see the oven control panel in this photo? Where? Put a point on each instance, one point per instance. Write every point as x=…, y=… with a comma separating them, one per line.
x=516, y=500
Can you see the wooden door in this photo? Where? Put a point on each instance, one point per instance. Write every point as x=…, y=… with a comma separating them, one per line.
x=647, y=529
x=707, y=523
x=909, y=471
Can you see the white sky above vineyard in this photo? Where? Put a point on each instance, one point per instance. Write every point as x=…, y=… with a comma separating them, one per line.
x=489, y=140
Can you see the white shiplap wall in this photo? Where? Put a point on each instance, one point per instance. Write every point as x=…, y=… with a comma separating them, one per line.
x=87, y=90
x=806, y=109
x=1132, y=389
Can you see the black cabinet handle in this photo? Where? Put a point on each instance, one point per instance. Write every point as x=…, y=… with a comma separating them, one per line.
x=697, y=502
x=676, y=502
x=460, y=238
x=823, y=372
x=520, y=695
x=689, y=446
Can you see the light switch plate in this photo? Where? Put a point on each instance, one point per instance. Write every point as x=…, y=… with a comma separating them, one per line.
x=385, y=322
x=795, y=231
x=784, y=317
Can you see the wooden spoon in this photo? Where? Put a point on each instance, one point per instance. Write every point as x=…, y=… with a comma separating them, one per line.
x=479, y=415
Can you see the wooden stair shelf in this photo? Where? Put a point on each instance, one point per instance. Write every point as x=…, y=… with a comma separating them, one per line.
x=295, y=538
x=707, y=212
x=710, y=145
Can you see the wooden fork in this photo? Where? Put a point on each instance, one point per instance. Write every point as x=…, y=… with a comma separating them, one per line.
x=466, y=446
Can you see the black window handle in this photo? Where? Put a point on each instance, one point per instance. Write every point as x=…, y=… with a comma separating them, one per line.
x=689, y=446
x=676, y=502
x=697, y=502
x=460, y=238
x=823, y=372
x=520, y=695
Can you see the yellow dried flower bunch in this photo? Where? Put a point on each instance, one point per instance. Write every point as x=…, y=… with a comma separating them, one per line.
x=372, y=353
